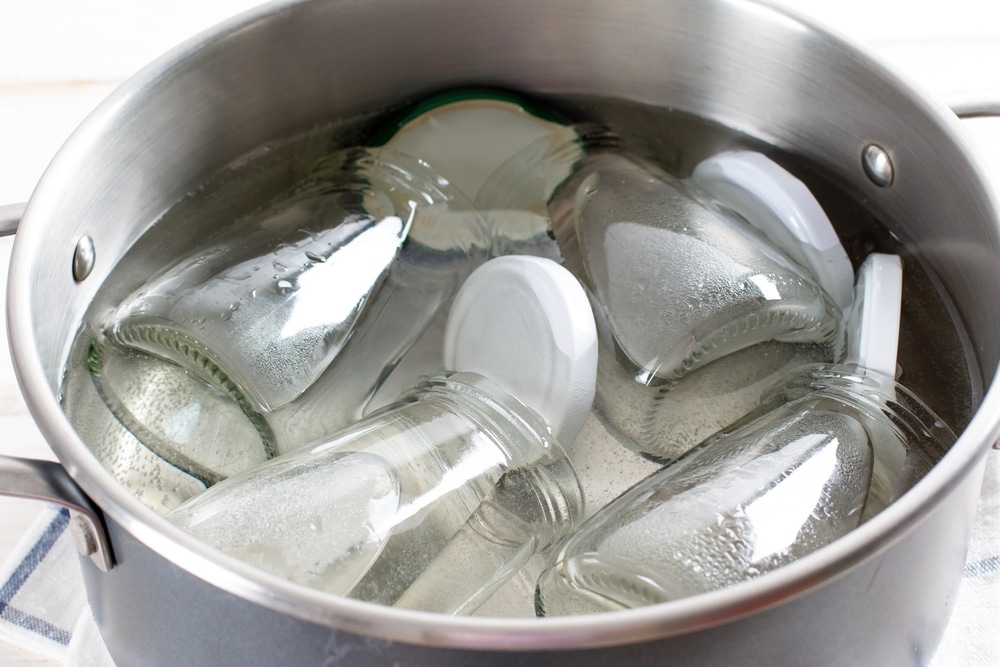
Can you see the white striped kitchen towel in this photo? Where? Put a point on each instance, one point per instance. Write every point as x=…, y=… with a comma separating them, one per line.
x=38, y=610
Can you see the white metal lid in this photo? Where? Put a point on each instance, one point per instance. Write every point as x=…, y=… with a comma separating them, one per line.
x=784, y=210
x=466, y=140
x=873, y=325
x=526, y=323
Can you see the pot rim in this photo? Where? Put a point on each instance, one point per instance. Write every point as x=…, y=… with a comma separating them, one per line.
x=423, y=628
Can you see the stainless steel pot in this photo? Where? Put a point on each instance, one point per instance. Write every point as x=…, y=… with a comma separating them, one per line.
x=879, y=596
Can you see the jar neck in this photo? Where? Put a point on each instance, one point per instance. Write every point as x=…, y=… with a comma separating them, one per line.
x=541, y=503
x=561, y=160
x=872, y=395
x=539, y=498
x=436, y=215
x=514, y=426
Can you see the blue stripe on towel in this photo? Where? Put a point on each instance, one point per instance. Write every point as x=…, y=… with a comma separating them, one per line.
x=21, y=575
x=34, y=624
x=986, y=565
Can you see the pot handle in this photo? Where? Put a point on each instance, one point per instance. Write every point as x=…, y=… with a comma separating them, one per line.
x=974, y=104
x=10, y=217
x=48, y=480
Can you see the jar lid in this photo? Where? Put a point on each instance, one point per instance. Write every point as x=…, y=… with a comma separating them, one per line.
x=466, y=135
x=873, y=325
x=526, y=324
x=782, y=208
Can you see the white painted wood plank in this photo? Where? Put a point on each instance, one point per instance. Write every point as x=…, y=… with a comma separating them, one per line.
x=98, y=40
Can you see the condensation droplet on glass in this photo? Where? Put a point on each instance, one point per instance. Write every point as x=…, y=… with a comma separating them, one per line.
x=284, y=287
x=314, y=257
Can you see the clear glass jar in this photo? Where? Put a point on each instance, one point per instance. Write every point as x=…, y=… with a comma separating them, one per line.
x=681, y=289
x=297, y=313
x=457, y=465
x=826, y=450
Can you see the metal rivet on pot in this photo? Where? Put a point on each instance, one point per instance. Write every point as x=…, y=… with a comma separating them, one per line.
x=83, y=535
x=83, y=258
x=877, y=165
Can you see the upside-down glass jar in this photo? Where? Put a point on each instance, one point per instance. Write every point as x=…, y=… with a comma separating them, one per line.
x=830, y=447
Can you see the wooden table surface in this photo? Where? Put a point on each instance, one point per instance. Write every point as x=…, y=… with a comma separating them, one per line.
x=60, y=58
